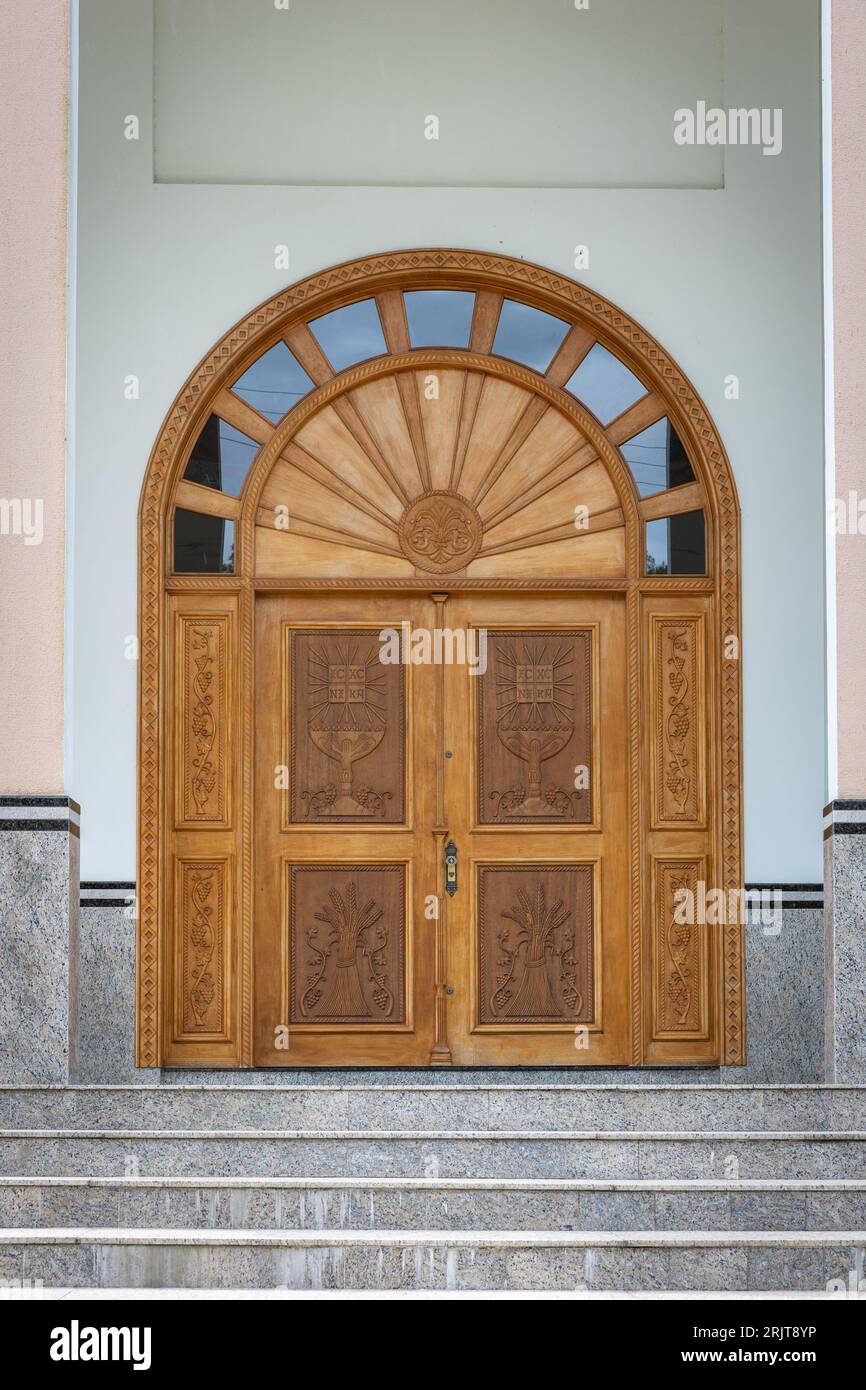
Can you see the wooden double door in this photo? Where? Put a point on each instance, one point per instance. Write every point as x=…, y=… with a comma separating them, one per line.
x=440, y=829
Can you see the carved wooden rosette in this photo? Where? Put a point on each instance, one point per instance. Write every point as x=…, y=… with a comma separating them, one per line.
x=347, y=944
x=535, y=944
x=441, y=532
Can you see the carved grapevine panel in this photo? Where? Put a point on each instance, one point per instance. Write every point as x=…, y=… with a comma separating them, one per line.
x=203, y=768
x=679, y=951
x=203, y=895
x=535, y=944
x=347, y=939
x=678, y=771
x=534, y=734
x=348, y=737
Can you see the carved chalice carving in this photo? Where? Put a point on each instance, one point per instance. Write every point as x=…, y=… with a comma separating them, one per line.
x=347, y=723
x=347, y=746
x=534, y=720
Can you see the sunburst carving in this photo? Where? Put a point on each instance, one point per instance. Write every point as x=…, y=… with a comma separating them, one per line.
x=485, y=477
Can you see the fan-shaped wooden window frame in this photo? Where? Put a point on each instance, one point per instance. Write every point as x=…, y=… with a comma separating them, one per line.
x=208, y=390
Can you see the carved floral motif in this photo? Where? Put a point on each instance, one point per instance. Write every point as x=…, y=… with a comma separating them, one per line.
x=203, y=928
x=440, y=531
x=203, y=770
x=678, y=725
x=679, y=1005
x=678, y=939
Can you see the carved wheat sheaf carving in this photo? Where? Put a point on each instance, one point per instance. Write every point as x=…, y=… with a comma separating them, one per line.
x=535, y=943
x=354, y=936
x=347, y=943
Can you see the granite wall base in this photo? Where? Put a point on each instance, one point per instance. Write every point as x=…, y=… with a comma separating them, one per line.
x=39, y=923
x=845, y=930
x=784, y=993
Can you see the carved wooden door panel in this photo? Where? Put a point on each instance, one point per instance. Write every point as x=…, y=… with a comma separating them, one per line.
x=451, y=439
x=537, y=806
x=344, y=853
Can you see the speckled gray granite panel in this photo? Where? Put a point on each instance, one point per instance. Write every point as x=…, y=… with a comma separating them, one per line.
x=784, y=993
x=280, y=1205
x=604, y=1157
x=380, y=1105
x=107, y=999
x=39, y=888
x=845, y=927
x=430, y=1264
x=784, y=999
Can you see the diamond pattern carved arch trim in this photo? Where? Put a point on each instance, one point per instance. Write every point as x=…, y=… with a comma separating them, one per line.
x=592, y=320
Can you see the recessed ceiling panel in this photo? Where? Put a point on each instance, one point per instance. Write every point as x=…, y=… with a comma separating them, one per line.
x=497, y=93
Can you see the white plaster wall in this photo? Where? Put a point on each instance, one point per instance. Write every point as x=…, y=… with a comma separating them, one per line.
x=729, y=280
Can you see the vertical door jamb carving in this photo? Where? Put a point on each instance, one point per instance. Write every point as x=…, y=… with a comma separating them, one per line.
x=440, y=1055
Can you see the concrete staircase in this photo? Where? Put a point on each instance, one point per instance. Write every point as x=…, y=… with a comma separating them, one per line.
x=362, y=1182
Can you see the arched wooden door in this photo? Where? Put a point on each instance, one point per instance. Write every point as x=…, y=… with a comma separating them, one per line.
x=440, y=694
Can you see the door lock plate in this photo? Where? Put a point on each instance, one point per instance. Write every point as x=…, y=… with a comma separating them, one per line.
x=451, y=868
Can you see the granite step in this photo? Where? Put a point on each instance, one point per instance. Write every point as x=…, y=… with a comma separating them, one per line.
x=485, y=1204
x=264, y=1077
x=83, y=1257
x=529, y=1153
x=428, y=1107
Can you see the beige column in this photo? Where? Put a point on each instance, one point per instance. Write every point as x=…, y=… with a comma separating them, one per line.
x=34, y=42
x=39, y=884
